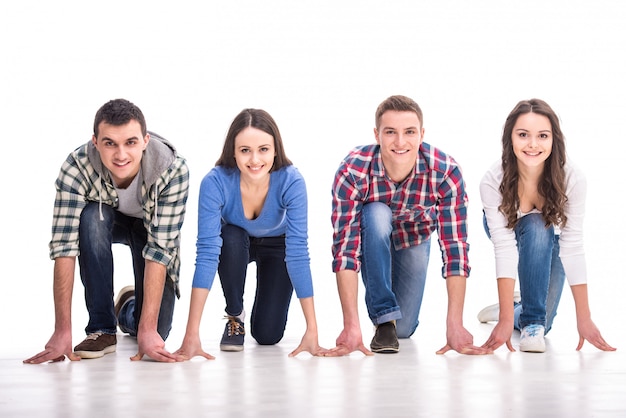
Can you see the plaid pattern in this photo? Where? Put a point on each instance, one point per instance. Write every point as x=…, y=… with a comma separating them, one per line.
x=432, y=199
x=164, y=204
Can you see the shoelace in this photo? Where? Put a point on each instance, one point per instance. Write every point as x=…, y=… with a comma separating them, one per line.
x=93, y=336
x=234, y=327
x=532, y=330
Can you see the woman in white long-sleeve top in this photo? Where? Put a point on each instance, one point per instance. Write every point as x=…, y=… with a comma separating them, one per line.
x=534, y=205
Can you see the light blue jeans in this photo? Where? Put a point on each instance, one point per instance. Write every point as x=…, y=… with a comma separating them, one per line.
x=394, y=279
x=540, y=271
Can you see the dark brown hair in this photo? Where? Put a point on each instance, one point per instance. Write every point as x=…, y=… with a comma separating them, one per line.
x=552, y=183
x=119, y=112
x=259, y=119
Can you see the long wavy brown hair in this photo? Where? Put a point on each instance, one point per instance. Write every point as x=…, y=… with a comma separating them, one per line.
x=552, y=183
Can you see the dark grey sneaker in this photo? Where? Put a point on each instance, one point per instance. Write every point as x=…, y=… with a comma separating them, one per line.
x=232, y=339
x=385, y=339
x=124, y=296
x=96, y=345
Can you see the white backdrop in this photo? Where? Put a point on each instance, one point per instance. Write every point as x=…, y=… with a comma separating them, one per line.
x=320, y=68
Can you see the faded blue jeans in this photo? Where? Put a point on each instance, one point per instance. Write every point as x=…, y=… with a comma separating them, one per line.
x=273, y=289
x=540, y=271
x=394, y=279
x=96, y=271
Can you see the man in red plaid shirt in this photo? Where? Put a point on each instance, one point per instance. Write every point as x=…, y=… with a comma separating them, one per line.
x=388, y=200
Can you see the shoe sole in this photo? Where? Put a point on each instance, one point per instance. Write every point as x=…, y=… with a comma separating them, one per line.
x=95, y=354
x=231, y=347
x=533, y=351
x=385, y=350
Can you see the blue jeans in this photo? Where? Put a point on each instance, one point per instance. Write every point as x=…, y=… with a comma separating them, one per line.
x=274, y=289
x=394, y=279
x=540, y=271
x=96, y=271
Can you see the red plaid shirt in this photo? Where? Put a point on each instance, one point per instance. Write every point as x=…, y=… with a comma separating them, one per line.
x=432, y=198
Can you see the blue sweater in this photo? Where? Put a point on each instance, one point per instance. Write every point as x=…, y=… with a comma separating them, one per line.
x=284, y=212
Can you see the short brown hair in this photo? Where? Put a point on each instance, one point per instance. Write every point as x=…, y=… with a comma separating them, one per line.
x=399, y=104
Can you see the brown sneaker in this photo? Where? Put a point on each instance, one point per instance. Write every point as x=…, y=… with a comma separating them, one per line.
x=96, y=345
x=385, y=339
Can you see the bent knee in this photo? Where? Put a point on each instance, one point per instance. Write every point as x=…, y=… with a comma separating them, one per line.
x=263, y=338
x=376, y=217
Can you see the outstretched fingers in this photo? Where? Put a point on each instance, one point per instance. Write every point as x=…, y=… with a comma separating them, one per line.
x=468, y=349
x=50, y=356
x=163, y=356
x=599, y=343
x=344, y=350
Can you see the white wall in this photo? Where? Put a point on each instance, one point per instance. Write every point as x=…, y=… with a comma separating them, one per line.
x=320, y=68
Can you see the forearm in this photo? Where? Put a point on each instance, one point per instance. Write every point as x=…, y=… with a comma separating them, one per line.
x=581, y=301
x=63, y=287
x=456, y=298
x=154, y=281
x=196, y=308
x=347, y=285
x=308, y=309
x=506, y=286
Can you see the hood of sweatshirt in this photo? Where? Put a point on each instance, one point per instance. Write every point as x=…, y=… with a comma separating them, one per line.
x=157, y=157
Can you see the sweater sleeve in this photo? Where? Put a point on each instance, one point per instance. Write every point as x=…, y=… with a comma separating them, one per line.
x=294, y=198
x=209, y=241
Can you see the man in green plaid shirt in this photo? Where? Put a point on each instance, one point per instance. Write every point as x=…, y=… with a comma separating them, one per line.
x=127, y=185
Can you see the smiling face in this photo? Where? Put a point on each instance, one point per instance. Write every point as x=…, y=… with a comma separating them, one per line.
x=121, y=149
x=532, y=140
x=399, y=136
x=254, y=154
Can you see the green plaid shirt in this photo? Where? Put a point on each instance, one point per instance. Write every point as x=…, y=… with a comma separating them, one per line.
x=164, y=191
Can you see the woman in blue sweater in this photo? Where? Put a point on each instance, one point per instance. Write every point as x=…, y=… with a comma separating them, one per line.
x=253, y=207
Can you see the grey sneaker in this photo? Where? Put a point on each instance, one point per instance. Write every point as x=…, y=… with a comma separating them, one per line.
x=127, y=293
x=96, y=345
x=492, y=312
x=232, y=339
x=385, y=339
x=531, y=339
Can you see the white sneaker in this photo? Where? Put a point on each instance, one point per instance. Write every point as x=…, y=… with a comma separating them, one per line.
x=531, y=339
x=492, y=312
